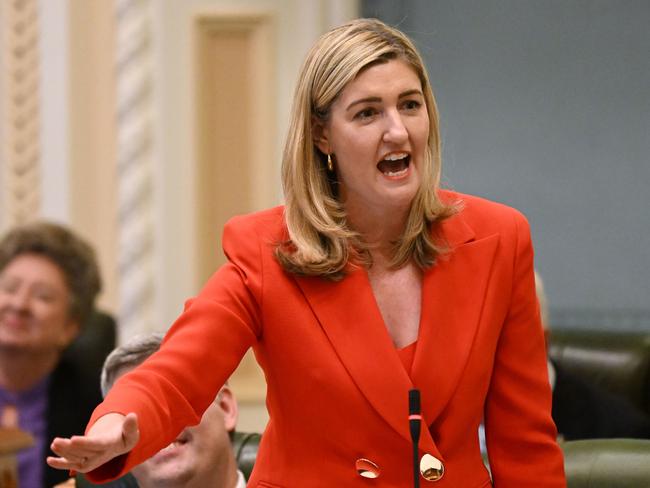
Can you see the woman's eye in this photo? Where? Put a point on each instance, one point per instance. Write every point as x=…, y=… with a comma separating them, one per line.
x=45, y=297
x=7, y=286
x=412, y=105
x=365, y=114
x=45, y=294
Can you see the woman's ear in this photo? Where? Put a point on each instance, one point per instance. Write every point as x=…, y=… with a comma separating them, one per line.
x=320, y=135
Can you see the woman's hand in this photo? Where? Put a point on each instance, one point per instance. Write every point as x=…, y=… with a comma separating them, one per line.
x=112, y=435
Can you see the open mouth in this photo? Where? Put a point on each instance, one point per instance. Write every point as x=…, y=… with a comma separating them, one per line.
x=181, y=440
x=394, y=164
x=13, y=320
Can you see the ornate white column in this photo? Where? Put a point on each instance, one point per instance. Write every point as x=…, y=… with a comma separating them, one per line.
x=20, y=112
x=134, y=172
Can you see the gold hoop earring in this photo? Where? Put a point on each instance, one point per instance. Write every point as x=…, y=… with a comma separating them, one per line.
x=330, y=164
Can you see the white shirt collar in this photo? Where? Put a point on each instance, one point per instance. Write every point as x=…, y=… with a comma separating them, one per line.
x=551, y=374
x=241, y=482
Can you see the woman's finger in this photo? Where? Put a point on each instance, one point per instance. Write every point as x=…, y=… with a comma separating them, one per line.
x=82, y=465
x=81, y=455
x=78, y=447
x=58, y=462
x=130, y=432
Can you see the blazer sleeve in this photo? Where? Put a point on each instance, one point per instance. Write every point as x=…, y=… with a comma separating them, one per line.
x=174, y=386
x=520, y=433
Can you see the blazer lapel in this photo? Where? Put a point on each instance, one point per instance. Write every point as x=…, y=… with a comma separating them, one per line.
x=453, y=292
x=348, y=313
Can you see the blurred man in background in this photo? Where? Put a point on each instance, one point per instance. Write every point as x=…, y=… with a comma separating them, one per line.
x=201, y=456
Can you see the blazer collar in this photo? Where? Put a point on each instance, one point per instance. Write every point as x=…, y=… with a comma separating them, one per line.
x=452, y=293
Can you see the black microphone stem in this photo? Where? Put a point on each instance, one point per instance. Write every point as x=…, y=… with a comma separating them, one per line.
x=415, y=420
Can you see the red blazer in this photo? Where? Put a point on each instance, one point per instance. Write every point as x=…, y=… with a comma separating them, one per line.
x=336, y=389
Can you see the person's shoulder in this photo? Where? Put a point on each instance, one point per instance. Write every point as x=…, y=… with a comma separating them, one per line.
x=483, y=214
x=475, y=206
x=246, y=234
x=273, y=214
x=263, y=222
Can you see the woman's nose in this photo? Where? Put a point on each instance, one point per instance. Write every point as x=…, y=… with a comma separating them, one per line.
x=395, y=130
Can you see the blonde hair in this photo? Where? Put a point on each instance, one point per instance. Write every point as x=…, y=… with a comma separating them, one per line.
x=320, y=243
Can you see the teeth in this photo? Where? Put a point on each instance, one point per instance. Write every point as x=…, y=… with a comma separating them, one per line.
x=396, y=156
x=396, y=173
x=172, y=445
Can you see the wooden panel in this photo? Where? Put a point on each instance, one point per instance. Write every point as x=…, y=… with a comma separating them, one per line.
x=92, y=183
x=234, y=109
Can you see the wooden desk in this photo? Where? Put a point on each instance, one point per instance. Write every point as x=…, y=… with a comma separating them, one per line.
x=12, y=440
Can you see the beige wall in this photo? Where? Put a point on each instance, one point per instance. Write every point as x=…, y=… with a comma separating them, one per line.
x=212, y=158
x=92, y=153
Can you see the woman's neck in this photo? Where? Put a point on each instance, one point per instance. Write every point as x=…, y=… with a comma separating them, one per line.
x=379, y=229
x=20, y=370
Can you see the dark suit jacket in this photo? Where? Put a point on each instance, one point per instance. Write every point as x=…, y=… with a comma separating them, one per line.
x=74, y=385
x=582, y=410
x=73, y=394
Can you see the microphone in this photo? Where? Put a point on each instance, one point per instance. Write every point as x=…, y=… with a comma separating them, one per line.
x=415, y=421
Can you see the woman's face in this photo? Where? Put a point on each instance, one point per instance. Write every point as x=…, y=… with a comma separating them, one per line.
x=34, y=306
x=377, y=132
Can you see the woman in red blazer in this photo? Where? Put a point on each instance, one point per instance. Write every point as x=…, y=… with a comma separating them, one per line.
x=370, y=282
